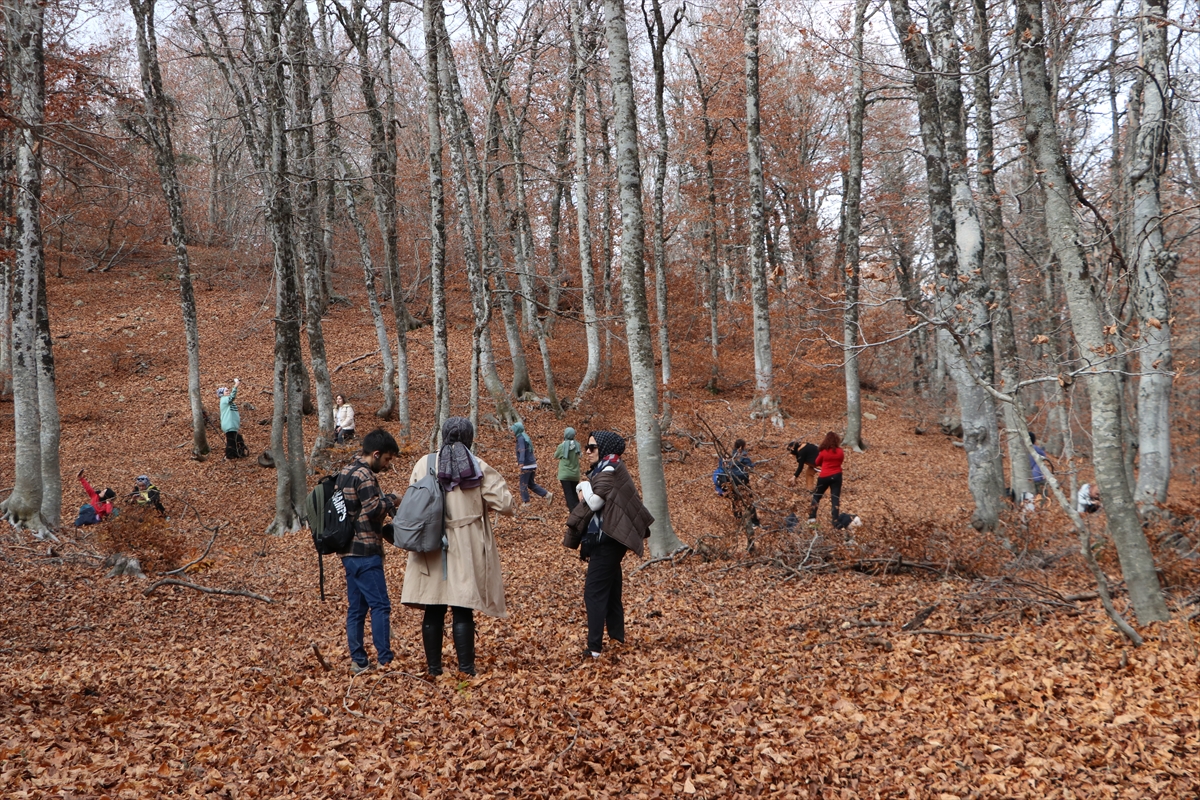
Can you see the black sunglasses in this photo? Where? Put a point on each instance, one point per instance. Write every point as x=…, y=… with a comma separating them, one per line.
x=592, y=447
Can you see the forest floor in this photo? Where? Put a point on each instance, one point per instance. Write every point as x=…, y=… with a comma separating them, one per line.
x=742, y=675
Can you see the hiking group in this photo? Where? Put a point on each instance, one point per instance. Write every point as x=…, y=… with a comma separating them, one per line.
x=444, y=521
x=820, y=464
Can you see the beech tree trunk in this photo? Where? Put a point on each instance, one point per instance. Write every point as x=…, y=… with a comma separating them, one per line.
x=158, y=126
x=591, y=324
x=1095, y=351
x=712, y=270
x=633, y=284
x=24, y=54
x=606, y=238
x=463, y=153
x=383, y=184
x=1155, y=264
x=6, y=283
x=660, y=33
x=852, y=212
x=995, y=260
x=765, y=402
x=957, y=252
x=433, y=18
x=349, y=187
x=308, y=238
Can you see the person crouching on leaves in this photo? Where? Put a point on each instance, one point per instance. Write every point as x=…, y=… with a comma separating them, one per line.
x=470, y=580
x=101, y=504
x=609, y=521
x=146, y=493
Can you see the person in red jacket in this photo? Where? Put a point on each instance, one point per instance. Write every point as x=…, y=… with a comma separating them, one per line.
x=101, y=503
x=829, y=462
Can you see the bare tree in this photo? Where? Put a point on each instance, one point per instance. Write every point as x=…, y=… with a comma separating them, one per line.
x=308, y=239
x=1155, y=263
x=158, y=131
x=433, y=18
x=765, y=402
x=663, y=540
x=659, y=33
x=852, y=216
x=1095, y=348
x=995, y=260
x=956, y=256
x=583, y=204
x=25, y=506
x=712, y=265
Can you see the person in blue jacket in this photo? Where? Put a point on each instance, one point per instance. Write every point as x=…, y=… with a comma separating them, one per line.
x=231, y=421
x=527, y=461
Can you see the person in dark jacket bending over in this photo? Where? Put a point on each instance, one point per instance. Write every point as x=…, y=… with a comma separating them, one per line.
x=608, y=521
x=363, y=559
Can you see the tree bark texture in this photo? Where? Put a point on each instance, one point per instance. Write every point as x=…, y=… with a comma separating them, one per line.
x=633, y=284
x=852, y=217
x=462, y=152
x=158, y=125
x=434, y=20
x=1095, y=351
x=583, y=224
x=956, y=255
x=995, y=259
x=766, y=404
x=659, y=33
x=26, y=66
x=1155, y=264
x=307, y=218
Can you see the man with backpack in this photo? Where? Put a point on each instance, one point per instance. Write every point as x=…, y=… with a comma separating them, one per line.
x=366, y=587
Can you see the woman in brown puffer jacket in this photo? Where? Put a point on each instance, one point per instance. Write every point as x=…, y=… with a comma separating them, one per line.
x=609, y=520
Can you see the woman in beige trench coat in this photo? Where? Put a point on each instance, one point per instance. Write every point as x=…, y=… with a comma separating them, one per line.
x=470, y=578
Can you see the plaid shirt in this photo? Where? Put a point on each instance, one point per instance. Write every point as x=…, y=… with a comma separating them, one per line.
x=370, y=507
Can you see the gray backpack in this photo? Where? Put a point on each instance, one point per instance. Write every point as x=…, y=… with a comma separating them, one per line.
x=419, y=524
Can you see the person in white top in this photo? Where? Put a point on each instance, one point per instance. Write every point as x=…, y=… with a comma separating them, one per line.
x=1087, y=501
x=344, y=420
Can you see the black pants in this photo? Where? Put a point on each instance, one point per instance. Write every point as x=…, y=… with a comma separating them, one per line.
x=834, y=484
x=569, y=493
x=602, y=594
x=232, y=440
x=437, y=614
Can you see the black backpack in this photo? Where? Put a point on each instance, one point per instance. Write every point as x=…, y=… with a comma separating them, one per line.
x=330, y=518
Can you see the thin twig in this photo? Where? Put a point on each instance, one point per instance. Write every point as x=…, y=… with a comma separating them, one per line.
x=202, y=556
x=578, y=725
x=354, y=361
x=961, y=634
x=205, y=589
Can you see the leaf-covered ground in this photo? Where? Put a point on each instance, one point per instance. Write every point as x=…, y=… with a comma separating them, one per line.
x=741, y=676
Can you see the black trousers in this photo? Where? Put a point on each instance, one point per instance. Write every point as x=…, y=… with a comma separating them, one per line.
x=569, y=493
x=231, y=444
x=834, y=484
x=602, y=594
x=437, y=614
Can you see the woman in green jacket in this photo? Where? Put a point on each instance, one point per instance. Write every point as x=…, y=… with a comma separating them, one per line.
x=568, y=467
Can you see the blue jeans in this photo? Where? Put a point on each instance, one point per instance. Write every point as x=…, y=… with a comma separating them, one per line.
x=366, y=588
x=528, y=484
